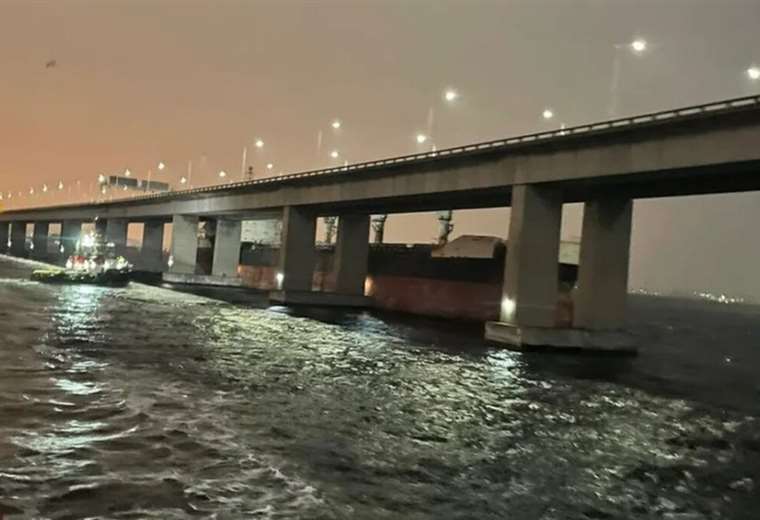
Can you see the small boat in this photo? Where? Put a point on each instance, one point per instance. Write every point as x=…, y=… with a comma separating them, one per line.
x=93, y=263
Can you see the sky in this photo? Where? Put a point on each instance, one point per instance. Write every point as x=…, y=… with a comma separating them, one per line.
x=138, y=82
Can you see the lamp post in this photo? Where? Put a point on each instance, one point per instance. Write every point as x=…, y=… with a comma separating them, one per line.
x=637, y=47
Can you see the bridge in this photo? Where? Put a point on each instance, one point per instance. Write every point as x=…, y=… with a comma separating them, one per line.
x=710, y=148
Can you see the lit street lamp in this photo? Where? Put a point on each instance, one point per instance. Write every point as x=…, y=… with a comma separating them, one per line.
x=336, y=124
x=421, y=138
x=222, y=174
x=638, y=45
x=334, y=154
x=161, y=165
x=259, y=143
x=547, y=114
x=450, y=95
x=753, y=73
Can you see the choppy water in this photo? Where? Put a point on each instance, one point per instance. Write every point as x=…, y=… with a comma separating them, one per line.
x=147, y=403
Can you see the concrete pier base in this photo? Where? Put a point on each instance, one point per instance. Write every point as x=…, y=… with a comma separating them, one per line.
x=200, y=279
x=322, y=299
x=531, y=338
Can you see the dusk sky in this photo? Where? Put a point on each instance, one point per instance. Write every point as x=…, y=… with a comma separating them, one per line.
x=138, y=82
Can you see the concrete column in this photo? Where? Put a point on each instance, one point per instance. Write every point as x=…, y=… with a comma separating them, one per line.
x=226, y=248
x=116, y=233
x=71, y=233
x=184, y=244
x=18, y=238
x=352, y=254
x=4, y=236
x=151, y=252
x=532, y=268
x=600, y=302
x=297, y=249
x=101, y=227
x=40, y=240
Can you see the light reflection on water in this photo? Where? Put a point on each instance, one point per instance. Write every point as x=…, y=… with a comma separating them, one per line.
x=158, y=404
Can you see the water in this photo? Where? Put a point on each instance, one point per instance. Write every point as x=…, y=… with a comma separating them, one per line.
x=147, y=403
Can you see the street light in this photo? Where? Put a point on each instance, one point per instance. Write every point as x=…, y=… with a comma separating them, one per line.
x=127, y=173
x=638, y=45
x=334, y=154
x=421, y=138
x=60, y=185
x=161, y=166
x=222, y=174
x=183, y=180
x=44, y=188
x=450, y=95
x=547, y=113
x=270, y=166
x=259, y=143
x=754, y=73
x=336, y=124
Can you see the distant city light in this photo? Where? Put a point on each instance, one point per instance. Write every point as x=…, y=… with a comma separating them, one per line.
x=270, y=166
x=753, y=73
x=127, y=173
x=451, y=95
x=222, y=174
x=60, y=185
x=161, y=165
x=336, y=124
x=639, y=45
x=44, y=188
x=547, y=113
x=183, y=180
x=259, y=143
x=334, y=154
x=31, y=191
x=101, y=178
x=421, y=138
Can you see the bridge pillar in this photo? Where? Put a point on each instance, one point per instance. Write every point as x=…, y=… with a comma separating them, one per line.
x=4, y=236
x=352, y=254
x=529, y=294
x=40, y=240
x=152, y=250
x=226, y=248
x=600, y=302
x=116, y=233
x=184, y=252
x=297, y=249
x=101, y=227
x=18, y=239
x=71, y=234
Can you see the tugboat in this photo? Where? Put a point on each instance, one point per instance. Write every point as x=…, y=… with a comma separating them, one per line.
x=94, y=263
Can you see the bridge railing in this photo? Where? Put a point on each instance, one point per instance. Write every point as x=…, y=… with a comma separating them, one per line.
x=654, y=117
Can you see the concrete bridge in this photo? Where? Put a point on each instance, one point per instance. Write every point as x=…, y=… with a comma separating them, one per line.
x=712, y=148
